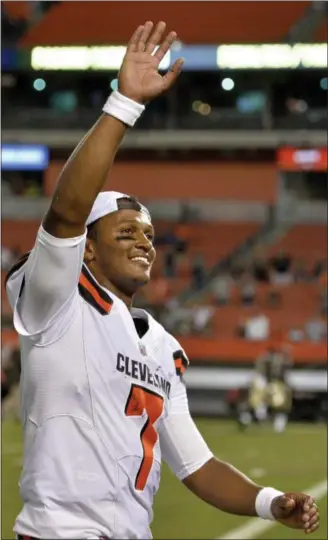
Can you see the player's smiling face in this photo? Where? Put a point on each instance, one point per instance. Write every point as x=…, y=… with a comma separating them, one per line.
x=121, y=250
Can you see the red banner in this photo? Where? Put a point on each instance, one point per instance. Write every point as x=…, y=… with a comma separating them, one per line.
x=302, y=159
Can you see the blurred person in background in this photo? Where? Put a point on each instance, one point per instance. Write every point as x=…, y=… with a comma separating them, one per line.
x=182, y=235
x=247, y=290
x=269, y=392
x=7, y=258
x=170, y=262
x=169, y=238
x=258, y=388
x=281, y=273
x=177, y=318
x=260, y=271
x=257, y=326
x=201, y=319
x=236, y=270
x=93, y=437
x=279, y=392
x=222, y=288
x=198, y=272
x=316, y=329
x=295, y=335
x=319, y=268
x=188, y=212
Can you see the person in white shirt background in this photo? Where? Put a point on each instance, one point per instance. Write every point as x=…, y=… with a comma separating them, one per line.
x=103, y=397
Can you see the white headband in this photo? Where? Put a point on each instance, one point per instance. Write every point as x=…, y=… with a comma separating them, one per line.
x=106, y=203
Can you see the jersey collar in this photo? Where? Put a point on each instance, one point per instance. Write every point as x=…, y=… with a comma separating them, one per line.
x=93, y=293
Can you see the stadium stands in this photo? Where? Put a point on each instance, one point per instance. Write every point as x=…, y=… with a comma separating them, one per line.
x=17, y=10
x=305, y=242
x=299, y=301
x=214, y=240
x=228, y=22
x=206, y=158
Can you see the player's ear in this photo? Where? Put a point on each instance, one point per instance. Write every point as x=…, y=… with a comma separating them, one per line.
x=89, y=252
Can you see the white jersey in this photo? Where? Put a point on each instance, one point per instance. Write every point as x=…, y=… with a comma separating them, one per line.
x=97, y=401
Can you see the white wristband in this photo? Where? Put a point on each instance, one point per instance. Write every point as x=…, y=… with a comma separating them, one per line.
x=263, y=502
x=123, y=108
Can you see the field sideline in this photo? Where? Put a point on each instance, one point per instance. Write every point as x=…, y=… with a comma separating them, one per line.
x=294, y=460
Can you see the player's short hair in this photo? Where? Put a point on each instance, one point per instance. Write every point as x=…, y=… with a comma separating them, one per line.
x=129, y=203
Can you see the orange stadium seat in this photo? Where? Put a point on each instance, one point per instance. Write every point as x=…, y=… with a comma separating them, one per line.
x=321, y=35
x=306, y=242
x=5, y=308
x=17, y=10
x=19, y=234
x=299, y=303
x=93, y=23
x=211, y=239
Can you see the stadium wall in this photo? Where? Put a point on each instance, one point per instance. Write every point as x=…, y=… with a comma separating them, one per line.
x=234, y=181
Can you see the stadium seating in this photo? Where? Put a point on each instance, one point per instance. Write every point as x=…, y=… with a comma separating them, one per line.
x=214, y=240
x=17, y=10
x=299, y=302
x=230, y=22
x=305, y=242
x=5, y=309
x=321, y=34
x=19, y=234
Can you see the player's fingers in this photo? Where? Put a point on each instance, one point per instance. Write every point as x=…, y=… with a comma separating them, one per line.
x=309, y=515
x=132, y=45
x=314, y=520
x=312, y=529
x=144, y=36
x=155, y=38
x=310, y=520
x=164, y=47
x=171, y=76
x=313, y=511
x=308, y=503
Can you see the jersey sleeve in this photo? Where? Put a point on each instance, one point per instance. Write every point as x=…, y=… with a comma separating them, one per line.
x=182, y=445
x=43, y=291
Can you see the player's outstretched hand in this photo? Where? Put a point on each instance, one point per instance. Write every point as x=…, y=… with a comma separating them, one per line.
x=296, y=510
x=138, y=78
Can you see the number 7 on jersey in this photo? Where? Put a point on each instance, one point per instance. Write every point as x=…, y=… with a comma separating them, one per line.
x=140, y=399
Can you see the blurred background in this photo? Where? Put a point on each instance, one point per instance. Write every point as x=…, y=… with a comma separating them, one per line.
x=232, y=164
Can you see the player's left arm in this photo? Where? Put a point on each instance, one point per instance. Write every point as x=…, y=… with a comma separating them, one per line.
x=219, y=483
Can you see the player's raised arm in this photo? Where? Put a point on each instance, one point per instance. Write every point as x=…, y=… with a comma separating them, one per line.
x=87, y=169
x=42, y=291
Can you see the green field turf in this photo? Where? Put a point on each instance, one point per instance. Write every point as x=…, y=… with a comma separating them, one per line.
x=294, y=460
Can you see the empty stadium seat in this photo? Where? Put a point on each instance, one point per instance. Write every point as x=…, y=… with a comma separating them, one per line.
x=225, y=22
x=17, y=10
x=299, y=303
x=305, y=242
